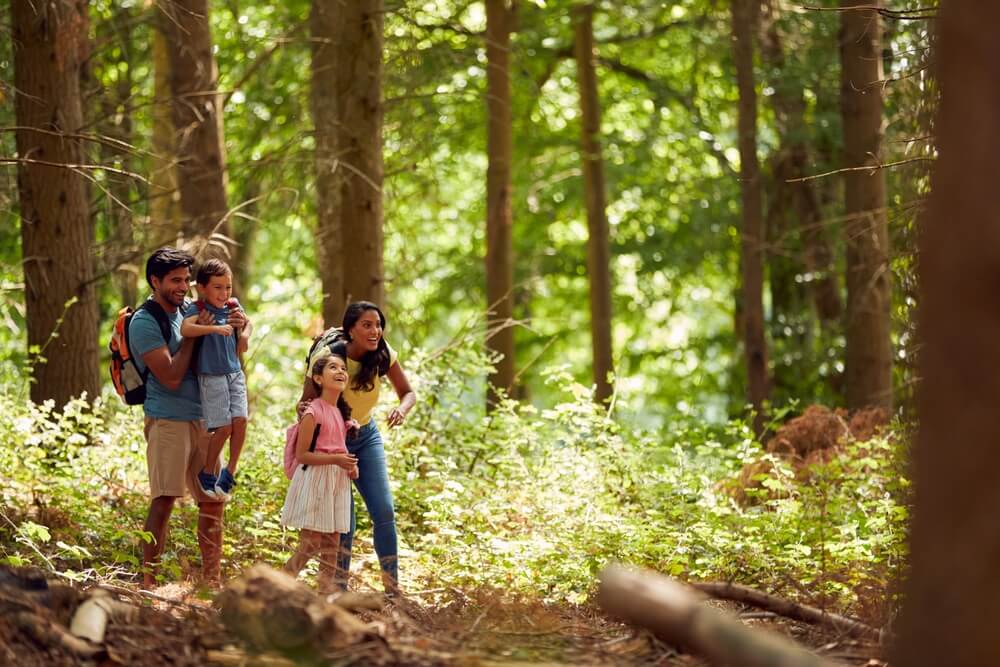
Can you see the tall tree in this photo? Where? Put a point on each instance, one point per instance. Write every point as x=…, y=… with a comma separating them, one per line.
x=196, y=106
x=358, y=57
x=598, y=242
x=114, y=90
x=499, y=219
x=745, y=15
x=164, y=189
x=948, y=616
x=57, y=232
x=324, y=24
x=792, y=162
x=869, y=348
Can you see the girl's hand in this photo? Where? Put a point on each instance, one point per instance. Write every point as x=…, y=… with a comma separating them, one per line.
x=396, y=417
x=224, y=330
x=346, y=461
x=301, y=407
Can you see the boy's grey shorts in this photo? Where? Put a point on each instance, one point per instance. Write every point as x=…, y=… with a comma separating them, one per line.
x=223, y=398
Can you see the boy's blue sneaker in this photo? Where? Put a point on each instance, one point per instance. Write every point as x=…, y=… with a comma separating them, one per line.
x=224, y=487
x=207, y=482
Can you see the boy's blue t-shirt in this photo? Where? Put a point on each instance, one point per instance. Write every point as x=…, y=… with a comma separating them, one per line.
x=184, y=404
x=217, y=355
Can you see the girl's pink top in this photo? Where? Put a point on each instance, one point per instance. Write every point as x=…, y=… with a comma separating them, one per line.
x=332, y=432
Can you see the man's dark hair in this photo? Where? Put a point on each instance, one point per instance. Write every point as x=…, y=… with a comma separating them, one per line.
x=165, y=260
x=210, y=268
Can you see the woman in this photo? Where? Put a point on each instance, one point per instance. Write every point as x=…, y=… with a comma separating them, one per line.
x=369, y=358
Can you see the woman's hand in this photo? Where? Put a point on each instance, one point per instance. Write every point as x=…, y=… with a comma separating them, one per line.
x=396, y=416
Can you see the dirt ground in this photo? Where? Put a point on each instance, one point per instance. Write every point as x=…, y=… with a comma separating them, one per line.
x=177, y=625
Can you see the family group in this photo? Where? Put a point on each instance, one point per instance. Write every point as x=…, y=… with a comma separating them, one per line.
x=188, y=354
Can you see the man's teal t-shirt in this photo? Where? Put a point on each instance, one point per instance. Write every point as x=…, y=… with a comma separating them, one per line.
x=184, y=404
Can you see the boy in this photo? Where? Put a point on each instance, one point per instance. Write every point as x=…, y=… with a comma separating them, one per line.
x=220, y=377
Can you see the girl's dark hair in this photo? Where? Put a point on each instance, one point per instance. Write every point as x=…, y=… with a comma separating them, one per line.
x=374, y=364
x=165, y=260
x=317, y=369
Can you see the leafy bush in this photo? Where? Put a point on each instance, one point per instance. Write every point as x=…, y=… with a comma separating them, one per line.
x=532, y=500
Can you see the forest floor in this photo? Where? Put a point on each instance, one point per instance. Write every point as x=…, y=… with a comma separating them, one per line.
x=179, y=625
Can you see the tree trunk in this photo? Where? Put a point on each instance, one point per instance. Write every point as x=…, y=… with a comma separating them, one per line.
x=57, y=233
x=358, y=57
x=164, y=188
x=949, y=615
x=196, y=108
x=790, y=114
x=598, y=243
x=324, y=28
x=121, y=257
x=499, y=220
x=745, y=14
x=869, y=350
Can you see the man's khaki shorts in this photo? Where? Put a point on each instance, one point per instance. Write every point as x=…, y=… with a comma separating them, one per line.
x=175, y=453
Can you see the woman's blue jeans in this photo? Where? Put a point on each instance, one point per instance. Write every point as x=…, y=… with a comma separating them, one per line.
x=373, y=485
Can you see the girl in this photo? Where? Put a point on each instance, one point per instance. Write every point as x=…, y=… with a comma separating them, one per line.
x=369, y=359
x=319, y=495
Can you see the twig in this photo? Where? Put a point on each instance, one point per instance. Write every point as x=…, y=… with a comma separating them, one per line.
x=872, y=168
x=786, y=608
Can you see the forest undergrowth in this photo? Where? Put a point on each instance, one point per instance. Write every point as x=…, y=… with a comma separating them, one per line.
x=525, y=501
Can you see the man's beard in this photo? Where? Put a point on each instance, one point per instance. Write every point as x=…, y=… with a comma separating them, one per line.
x=168, y=296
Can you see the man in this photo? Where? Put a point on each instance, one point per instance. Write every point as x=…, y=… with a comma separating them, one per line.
x=176, y=439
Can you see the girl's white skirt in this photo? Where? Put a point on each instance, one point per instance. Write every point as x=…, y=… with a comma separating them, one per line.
x=319, y=498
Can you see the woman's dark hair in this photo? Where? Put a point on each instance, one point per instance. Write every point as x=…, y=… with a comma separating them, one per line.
x=374, y=364
x=165, y=260
x=317, y=369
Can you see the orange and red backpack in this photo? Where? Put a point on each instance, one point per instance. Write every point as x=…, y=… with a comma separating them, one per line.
x=129, y=381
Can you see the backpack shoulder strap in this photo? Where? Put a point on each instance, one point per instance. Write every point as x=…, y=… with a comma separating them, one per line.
x=156, y=310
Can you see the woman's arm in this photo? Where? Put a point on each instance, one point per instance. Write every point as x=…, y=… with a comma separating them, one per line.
x=407, y=397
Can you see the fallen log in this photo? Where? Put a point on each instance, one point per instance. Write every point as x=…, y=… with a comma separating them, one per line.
x=787, y=608
x=677, y=614
x=270, y=610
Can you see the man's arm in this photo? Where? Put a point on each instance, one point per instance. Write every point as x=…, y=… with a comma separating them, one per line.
x=168, y=368
x=243, y=325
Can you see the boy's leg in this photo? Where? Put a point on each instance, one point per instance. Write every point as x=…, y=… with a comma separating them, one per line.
x=216, y=442
x=215, y=408
x=236, y=442
x=238, y=413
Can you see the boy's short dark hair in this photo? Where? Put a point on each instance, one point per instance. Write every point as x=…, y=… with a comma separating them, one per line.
x=210, y=268
x=165, y=260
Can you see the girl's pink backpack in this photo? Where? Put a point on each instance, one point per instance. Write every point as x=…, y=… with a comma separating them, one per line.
x=291, y=438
